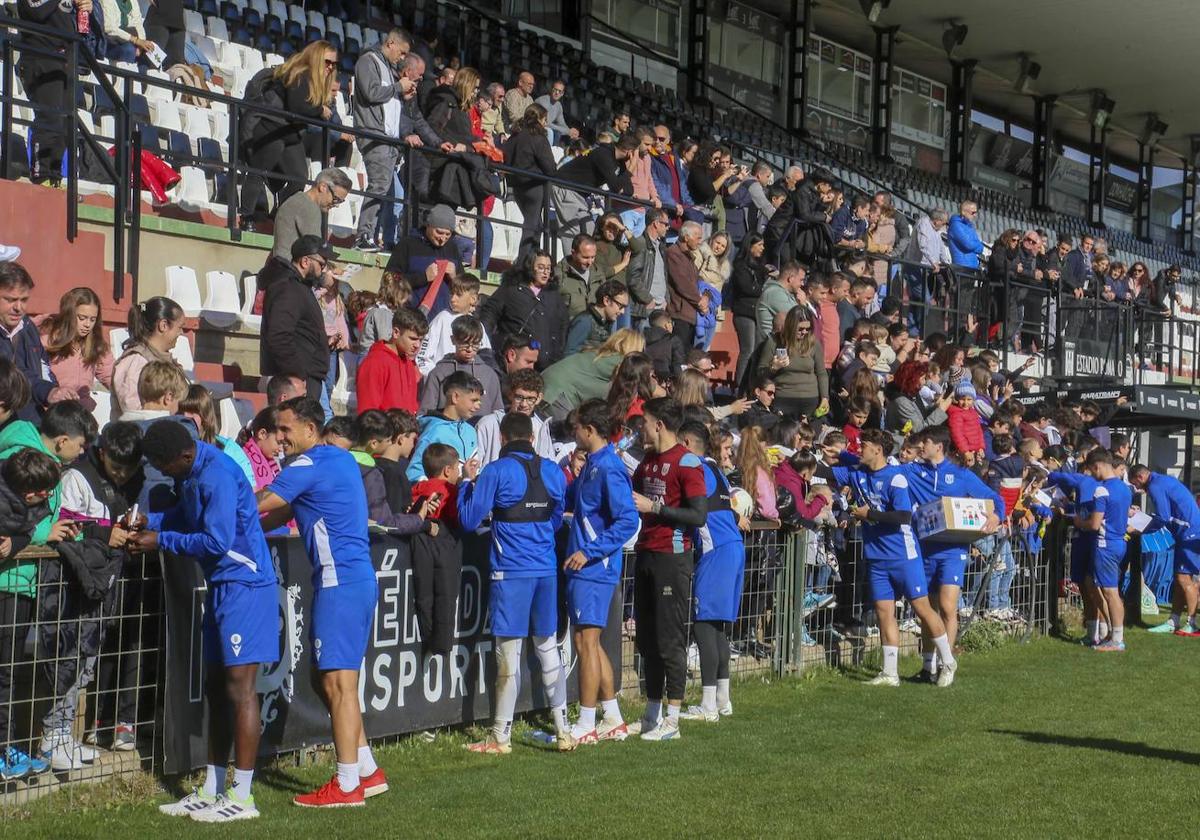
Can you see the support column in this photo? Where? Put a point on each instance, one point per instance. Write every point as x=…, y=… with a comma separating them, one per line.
x=1145, y=185
x=796, y=116
x=881, y=92
x=697, y=50
x=1097, y=174
x=1043, y=142
x=1187, y=218
x=959, y=112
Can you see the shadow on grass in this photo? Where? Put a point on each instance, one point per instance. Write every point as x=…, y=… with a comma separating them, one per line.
x=1114, y=745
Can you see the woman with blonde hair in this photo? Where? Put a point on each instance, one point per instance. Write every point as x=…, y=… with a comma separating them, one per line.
x=757, y=476
x=693, y=388
x=303, y=86
x=198, y=406
x=76, y=345
x=588, y=375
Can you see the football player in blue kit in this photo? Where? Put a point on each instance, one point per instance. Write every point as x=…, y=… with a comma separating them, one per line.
x=1081, y=486
x=717, y=585
x=524, y=495
x=321, y=488
x=1106, y=524
x=934, y=477
x=1174, y=503
x=882, y=503
x=215, y=521
x=603, y=520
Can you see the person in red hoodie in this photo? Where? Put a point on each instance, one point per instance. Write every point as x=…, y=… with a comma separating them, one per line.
x=857, y=412
x=388, y=375
x=965, y=429
x=437, y=555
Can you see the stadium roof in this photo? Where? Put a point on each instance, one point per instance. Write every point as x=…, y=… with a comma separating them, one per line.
x=1142, y=55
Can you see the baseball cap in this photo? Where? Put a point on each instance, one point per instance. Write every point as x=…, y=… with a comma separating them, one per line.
x=441, y=216
x=311, y=245
x=9, y=253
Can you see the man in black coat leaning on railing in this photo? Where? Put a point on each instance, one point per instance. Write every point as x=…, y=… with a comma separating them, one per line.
x=293, y=328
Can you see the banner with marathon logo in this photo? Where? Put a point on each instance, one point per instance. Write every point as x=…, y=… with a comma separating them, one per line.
x=399, y=690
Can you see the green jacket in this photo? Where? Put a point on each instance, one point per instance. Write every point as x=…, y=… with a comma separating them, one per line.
x=21, y=577
x=774, y=298
x=578, y=378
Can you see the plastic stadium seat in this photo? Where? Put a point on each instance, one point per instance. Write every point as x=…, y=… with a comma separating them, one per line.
x=196, y=123
x=293, y=31
x=209, y=149
x=166, y=115
x=116, y=341
x=221, y=308
x=184, y=289
x=353, y=30
x=278, y=8
x=207, y=8
x=192, y=192
x=316, y=19
x=249, y=290
x=296, y=13
x=182, y=351
x=334, y=25
x=103, y=410
x=217, y=29
x=179, y=148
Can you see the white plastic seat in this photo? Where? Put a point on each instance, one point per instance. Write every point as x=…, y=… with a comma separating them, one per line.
x=116, y=341
x=252, y=61
x=353, y=30
x=279, y=9
x=249, y=290
x=261, y=6
x=196, y=123
x=296, y=13
x=193, y=22
x=370, y=37
x=217, y=29
x=192, y=192
x=103, y=410
x=182, y=353
x=221, y=308
x=231, y=423
x=184, y=289
x=273, y=59
x=333, y=24
x=316, y=19
x=166, y=114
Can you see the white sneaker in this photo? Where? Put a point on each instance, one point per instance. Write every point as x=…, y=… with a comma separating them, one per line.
x=194, y=802
x=225, y=808
x=608, y=730
x=700, y=713
x=946, y=675
x=727, y=709
x=63, y=753
x=641, y=725
x=890, y=680
x=667, y=730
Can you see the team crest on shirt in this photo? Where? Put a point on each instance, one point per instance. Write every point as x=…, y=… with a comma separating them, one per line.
x=235, y=642
x=878, y=485
x=317, y=649
x=666, y=468
x=950, y=478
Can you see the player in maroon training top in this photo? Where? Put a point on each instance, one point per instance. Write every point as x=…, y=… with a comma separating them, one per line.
x=669, y=494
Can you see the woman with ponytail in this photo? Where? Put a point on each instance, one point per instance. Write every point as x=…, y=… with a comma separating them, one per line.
x=154, y=327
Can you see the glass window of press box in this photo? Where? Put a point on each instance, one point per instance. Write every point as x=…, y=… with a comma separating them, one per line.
x=918, y=109
x=655, y=22
x=839, y=80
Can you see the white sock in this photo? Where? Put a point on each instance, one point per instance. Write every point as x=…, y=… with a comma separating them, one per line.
x=891, y=659
x=366, y=762
x=586, y=722
x=241, y=783
x=502, y=731
x=722, y=693
x=554, y=679
x=942, y=643
x=1174, y=620
x=653, y=711
x=214, y=780
x=673, y=712
x=929, y=661
x=347, y=776
x=1103, y=630
x=1092, y=627
x=1118, y=634
x=612, y=711
x=708, y=700
x=508, y=686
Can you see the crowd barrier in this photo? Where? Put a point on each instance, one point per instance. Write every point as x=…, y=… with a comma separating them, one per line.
x=798, y=612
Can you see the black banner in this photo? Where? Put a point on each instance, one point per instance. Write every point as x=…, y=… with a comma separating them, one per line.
x=399, y=691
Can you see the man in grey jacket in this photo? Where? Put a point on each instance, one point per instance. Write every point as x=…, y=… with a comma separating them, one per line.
x=375, y=85
x=646, y=274
x=779, y=294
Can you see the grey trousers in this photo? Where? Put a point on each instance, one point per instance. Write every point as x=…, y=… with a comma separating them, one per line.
x=574, y=217
x=380, y=162
x=747, y=335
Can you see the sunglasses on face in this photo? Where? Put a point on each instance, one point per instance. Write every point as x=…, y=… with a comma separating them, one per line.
x=330, y=63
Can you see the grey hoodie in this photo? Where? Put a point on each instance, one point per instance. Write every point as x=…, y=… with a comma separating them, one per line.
x=372, y=89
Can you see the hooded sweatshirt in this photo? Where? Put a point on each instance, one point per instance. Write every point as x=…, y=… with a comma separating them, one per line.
x=21, y=577
x=386, y=380
x=432, y=397
x=438, y=428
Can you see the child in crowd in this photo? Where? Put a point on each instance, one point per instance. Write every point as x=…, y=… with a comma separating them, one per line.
x=437, y=554
x=373, y=434
x=358, y=305
x=394, y=292
x=857, y=411
x=965, y=429
x=466, y=333
x=161, y=386
x=462, y=393
x=663, y=347
x=263, y=447
x=1031, y=451
x=388, y=376
x=392, y=461
x=438, y=343
x=339, y=432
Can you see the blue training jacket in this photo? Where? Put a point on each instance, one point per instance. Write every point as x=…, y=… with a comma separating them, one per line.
x=927, y=483
x=216, y=522
x=519, y=549
x=604, y=518
x=1175, y=503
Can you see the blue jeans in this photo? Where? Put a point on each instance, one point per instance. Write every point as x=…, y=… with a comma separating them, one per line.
x=389, y=217
x=331, y=379
x=920, y=298
x=484, y=254
x=1004, y=569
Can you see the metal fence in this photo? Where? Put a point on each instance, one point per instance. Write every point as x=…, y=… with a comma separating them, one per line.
x=79, y=678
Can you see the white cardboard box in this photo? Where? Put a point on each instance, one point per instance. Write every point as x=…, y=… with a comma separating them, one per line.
x=952, y=519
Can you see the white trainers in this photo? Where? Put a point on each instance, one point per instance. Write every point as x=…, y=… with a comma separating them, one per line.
x=64, y=752
x=641, y=725
x=890, y=680
x=609, y=730
x=700, y=713
x=194, y=802
x=667, y=730
x=226, y=808
x=727, y=709
x=946, y=675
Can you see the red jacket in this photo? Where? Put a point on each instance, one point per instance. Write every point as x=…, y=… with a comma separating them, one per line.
x=853, y=438
x=385, y=380
x=447, y=509
x=965, y=429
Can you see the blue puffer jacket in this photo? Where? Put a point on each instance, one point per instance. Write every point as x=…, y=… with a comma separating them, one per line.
x=965, y=245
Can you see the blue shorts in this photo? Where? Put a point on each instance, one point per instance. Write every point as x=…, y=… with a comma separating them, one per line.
x=717, y=585
x=241, y=624
x=946, y=570
x=341, y=625
x=889, y=577
x=588, y=601
x=1081, y=560
x=1187, y=561
x=1106, y=566
x=525, y=607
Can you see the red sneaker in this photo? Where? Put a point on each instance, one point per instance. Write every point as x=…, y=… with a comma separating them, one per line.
x=330, y=795
x=374, y=784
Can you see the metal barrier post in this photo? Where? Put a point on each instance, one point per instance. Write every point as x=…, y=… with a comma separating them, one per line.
x=6, y=116
x=231, y=175
x=72, y=144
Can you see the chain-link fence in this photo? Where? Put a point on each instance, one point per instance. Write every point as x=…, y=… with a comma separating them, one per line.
x=79, y=686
